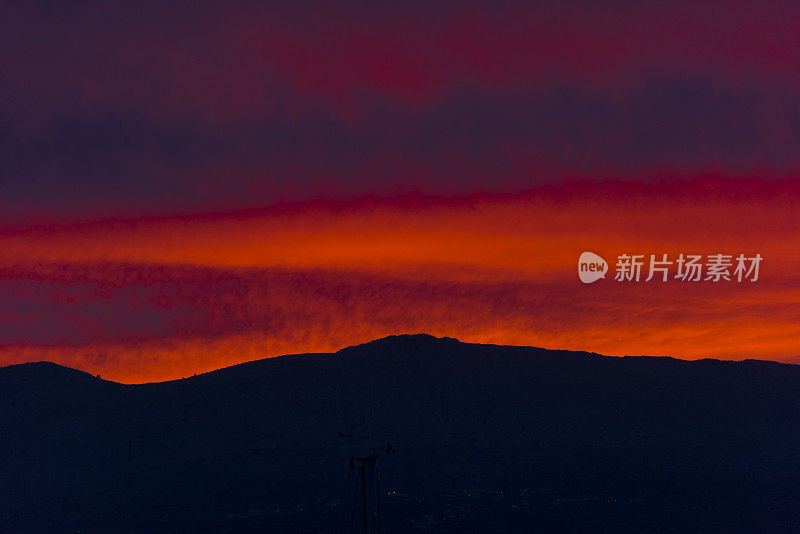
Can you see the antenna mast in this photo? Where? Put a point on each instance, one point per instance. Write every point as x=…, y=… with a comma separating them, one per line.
x=363, y=481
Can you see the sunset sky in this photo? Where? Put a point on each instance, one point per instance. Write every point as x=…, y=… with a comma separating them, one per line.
x=188, y=186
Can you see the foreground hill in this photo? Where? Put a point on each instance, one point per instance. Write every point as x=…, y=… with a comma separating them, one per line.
x=486, y=439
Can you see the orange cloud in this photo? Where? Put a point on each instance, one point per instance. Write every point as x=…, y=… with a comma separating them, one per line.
x=160, y=298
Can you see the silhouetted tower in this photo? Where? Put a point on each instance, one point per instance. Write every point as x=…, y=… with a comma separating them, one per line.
x=367, y=491
x=359, y=510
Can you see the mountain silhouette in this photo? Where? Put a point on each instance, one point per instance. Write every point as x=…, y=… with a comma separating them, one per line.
x=484, y=438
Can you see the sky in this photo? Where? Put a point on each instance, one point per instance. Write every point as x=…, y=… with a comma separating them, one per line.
x=190, y=186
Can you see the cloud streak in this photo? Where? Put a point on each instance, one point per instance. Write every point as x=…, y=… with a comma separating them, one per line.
x=196, y=108
x=158, y=298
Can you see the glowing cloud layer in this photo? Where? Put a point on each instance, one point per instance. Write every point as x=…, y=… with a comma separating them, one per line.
x=151, y=299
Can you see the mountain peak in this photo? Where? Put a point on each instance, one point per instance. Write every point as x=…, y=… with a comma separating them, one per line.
x=41, y=369
x=403, y=341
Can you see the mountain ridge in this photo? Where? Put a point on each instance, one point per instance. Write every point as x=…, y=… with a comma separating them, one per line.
x=392, y=342
x=199, y=454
